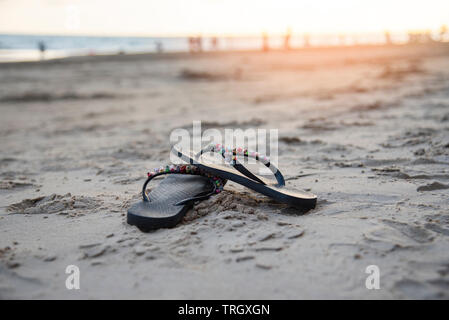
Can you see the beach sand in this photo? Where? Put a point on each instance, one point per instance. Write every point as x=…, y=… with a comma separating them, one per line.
x=368, y=126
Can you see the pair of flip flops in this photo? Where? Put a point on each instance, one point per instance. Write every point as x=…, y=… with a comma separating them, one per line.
x=197, y=180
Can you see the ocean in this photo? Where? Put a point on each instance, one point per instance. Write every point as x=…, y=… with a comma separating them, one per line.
x=25, y=47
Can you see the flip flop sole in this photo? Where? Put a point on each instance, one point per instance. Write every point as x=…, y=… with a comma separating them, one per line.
x=294, y=198
x=161, y=211
x=138, y=216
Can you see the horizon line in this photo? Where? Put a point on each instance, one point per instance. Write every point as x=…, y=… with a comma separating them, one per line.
x=218, y=35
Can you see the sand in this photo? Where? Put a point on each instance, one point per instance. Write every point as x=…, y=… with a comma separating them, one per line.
x=364, y=128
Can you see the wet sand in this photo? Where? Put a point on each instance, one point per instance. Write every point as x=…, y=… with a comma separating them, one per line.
x=367, y=126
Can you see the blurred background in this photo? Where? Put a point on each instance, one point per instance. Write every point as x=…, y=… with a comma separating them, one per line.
x=81, y=27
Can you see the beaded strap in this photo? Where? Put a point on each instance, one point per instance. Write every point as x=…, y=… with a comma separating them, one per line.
x=216, y=182
x=230, y=156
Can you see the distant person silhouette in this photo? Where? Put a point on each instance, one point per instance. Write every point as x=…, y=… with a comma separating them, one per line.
x=443, y=32
x=195, y=44
x=214, y=43
x=412, y=37
x=427, y=37
x=42, y=48
x=199, y=43
x=306, y=41
x=159, y=47
x=265, y=45
x=387, y=38
x=190, y=43
x=287, y=37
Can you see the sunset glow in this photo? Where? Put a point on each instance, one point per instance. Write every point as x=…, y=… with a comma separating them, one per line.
x=222, y=17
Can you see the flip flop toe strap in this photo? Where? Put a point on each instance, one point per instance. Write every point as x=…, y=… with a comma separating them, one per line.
x=216, y=183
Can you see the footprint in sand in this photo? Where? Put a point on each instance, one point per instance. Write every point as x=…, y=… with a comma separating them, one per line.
x=416, y=233
x=62, y=204
x=432, y=186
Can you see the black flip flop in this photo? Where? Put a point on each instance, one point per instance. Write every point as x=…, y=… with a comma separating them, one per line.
x=238, y=173
x=167, y=204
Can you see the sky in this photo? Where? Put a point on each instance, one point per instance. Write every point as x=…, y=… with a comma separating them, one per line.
x=219, y=17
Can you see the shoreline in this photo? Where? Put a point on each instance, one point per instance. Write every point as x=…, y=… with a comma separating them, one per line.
x=181, y=54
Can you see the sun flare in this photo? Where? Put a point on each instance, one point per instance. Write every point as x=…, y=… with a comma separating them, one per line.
x=219, y=17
